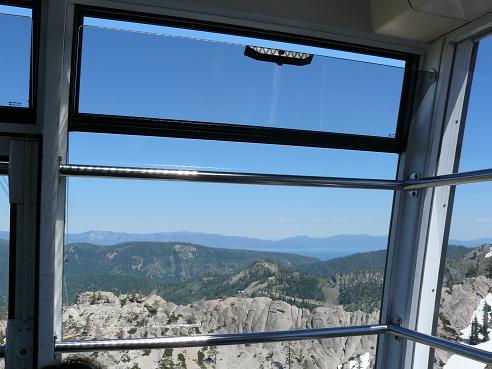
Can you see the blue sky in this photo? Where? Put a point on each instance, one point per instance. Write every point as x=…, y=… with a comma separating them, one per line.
x=225, y=86
x=15, y=38
x=135, y=73
x=472, y=213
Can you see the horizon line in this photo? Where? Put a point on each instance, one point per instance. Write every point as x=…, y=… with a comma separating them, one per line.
x=251, y=237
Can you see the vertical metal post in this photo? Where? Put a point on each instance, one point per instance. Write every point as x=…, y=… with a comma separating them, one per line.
x=411, y=215
x=435, y=251
x=23, y=194
x=53, y=99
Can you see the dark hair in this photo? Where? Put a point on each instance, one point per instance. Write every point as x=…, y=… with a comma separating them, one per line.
x=76, y=362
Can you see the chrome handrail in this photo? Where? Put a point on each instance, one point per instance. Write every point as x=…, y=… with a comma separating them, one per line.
x=268, y=179
x=449, y=179
x=227, y=177
x=266, y=337
x=217, y=339
x=273, y=179
x=454, y=347
x=276, y=336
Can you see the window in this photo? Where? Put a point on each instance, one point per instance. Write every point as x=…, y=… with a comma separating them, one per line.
x=176, y=258
x=184, y=77
x=467, y=279
x=15, y=64
x=185, y=258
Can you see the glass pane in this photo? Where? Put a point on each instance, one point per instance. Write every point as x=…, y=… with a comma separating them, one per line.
x=478, y=129
x=15, y=62
x=149, y=152
x=466, y=297
x=466, y=291
x=162, y=72
x=167, y=258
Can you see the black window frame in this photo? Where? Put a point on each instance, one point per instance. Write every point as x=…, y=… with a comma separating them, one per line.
x=26, y=115
x=106, y=123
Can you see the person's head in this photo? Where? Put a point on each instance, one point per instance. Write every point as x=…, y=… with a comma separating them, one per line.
x=76, y=362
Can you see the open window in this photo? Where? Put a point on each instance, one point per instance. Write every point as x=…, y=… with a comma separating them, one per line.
x=143, y=78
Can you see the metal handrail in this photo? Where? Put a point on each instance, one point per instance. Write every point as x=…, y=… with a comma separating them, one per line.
x=218, y=339
x=273, y=179
x=454, y=347
x=268, y=337
x=449, y=179
x=227, y=177
x=475, y=176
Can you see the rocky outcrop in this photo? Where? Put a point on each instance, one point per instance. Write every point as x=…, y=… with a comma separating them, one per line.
x=105, y=315
x=458, y=303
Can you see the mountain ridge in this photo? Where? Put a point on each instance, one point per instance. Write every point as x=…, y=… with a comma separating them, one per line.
x=321, y=247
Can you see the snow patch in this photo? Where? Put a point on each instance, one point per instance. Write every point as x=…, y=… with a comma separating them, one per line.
x=465, y=333
x=365, y=361
x=489, y=254
x=460, y=362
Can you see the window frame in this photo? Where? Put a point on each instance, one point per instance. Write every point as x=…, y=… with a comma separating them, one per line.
x=106, y=123
x=26, y=115
x=466, y=46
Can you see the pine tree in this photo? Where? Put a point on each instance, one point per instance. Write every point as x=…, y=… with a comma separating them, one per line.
x=475, y=330
x=485, y=325
x=289, y=354
x=488, y=269
x=182, y=360
x=167, y=360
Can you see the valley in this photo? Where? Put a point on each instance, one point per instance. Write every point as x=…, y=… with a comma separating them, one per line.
x=153, y=289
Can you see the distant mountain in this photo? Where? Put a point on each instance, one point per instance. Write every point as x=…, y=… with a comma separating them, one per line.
x=186, y=273
x=320, y=247
x=373, y=261
x=166, y=261
x=261, y=278
x=472, y=243
x=323, y=248
x=151, y=266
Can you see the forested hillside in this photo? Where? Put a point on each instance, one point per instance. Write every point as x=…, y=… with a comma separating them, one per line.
x=185, y=273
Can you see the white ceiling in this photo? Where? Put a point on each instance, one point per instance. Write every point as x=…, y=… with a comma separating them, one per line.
x=418, y=20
